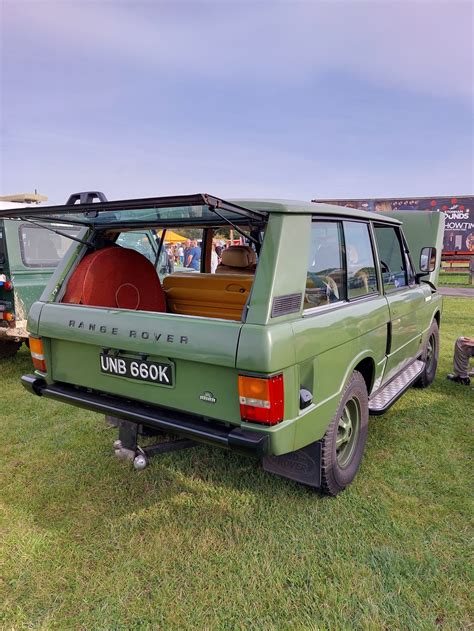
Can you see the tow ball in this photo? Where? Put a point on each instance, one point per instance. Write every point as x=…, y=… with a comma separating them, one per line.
x=127, y=447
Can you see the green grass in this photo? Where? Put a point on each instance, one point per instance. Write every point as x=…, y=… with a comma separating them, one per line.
x=454, y=279
x=204, y=539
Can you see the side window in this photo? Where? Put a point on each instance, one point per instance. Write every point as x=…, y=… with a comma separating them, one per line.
x=325, y=281
x=178, y=254
x=41, y=247
x=392, y=259
x=409, y=264
x=139, y=241
x=361, y=276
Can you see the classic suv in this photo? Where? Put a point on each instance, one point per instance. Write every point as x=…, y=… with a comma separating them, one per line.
x=325, y=316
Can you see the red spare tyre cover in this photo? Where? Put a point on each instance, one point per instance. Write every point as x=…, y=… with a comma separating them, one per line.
x=116, y=277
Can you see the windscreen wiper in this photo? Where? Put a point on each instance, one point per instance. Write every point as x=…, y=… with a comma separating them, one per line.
x=62, y=234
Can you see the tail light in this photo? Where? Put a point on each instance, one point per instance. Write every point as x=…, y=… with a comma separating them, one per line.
x=37, y=353
x=261, y=400
x=7, y=315
x=7, y=285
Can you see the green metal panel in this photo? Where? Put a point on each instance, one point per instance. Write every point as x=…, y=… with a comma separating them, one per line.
x=282, y=266
x=192, y=379
x=405, y=305
x=204, y=340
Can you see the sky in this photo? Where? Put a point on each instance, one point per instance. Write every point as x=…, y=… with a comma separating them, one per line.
x=276, y=99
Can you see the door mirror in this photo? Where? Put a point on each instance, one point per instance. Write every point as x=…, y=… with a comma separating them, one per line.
x=428, y=260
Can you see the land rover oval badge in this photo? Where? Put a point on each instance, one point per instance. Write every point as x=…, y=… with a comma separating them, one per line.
x=208, y=397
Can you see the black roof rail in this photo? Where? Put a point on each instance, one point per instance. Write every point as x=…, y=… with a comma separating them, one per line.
x=86, y=197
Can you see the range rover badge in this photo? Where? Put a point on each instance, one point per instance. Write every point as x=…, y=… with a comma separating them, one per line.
x=208, y=397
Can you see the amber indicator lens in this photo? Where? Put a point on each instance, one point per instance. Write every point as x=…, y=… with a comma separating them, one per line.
x=261, y=399
x=37, y=354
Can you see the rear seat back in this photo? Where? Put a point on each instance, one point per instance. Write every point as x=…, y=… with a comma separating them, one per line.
x=238, y=259
x=207, y=295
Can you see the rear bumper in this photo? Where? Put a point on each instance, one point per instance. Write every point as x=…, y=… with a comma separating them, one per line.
x=15, y=333
x=172, y=421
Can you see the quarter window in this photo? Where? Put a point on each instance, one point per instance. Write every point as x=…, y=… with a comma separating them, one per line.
x=325, y=281
x=361, y=276
x=392, y=260
x=41, y=247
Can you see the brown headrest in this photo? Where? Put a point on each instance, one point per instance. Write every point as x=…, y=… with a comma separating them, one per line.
x=239, y=256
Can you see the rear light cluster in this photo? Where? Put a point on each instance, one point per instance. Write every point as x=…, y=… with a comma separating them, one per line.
x=261, y=399
x=6, y=285
x=37, y=353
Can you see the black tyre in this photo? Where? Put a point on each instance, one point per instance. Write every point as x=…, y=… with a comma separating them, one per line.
x=8, y=348
x=430, y=357
x=344, y=442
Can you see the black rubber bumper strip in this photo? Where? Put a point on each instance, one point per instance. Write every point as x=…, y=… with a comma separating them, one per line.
x=172, y=421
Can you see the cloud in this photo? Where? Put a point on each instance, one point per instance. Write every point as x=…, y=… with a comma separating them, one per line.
x=413, y=45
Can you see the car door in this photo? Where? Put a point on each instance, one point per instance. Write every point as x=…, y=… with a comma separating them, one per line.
x=423, y=229
x=404, y=296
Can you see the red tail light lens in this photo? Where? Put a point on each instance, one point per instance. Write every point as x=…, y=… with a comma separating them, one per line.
x=261, y=400
x=7, y=315
x=7, y=285
x=37, y=354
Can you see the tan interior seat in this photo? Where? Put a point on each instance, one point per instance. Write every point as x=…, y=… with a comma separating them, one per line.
x=208, y=295
x=238, y=259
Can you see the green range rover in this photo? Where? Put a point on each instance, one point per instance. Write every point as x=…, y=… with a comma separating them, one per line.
x=323, y=316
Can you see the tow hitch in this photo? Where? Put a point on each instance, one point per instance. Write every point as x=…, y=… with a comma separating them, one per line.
x=127, y=447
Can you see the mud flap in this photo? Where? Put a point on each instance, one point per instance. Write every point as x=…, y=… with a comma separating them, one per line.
x=303, y=466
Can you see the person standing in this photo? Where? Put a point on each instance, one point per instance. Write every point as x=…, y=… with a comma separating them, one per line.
x=187, y=247
x=214, y=258
x=463, y=351
x=180, y=254
x=193, y=256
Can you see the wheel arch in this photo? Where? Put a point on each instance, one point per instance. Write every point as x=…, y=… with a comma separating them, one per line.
x=366, y=367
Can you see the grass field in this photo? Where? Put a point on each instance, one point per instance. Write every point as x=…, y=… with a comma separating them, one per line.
x=454, y=279
x=204, y=539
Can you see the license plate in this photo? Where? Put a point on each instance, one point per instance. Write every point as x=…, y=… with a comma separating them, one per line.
x=155, y=372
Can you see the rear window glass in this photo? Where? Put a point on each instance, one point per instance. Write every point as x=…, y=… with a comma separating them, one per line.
x=42, y=248
x=158, y=216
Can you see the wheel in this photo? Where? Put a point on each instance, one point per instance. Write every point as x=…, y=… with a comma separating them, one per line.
x=344, y=441
x=430, y=357
x=8, y=348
